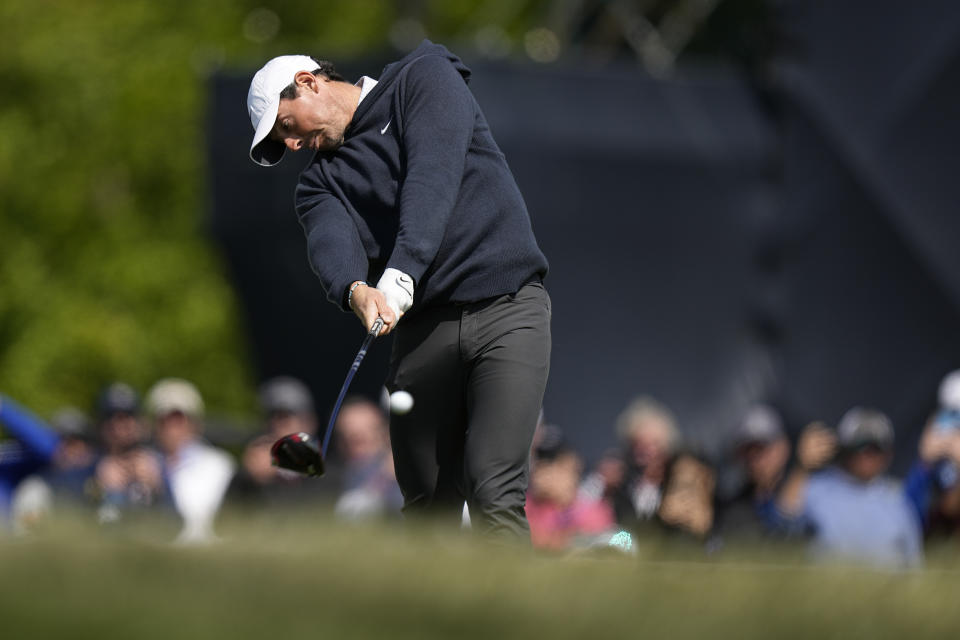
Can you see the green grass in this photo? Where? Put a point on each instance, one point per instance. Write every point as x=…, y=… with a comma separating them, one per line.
x=312, y=578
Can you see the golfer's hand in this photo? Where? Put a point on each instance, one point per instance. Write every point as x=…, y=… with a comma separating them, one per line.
x=369, y=304
x=397, y=288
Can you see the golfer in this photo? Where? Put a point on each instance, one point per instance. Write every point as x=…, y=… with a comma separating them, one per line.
x=411, y=214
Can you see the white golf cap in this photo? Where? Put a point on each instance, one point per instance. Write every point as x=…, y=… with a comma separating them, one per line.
x=263, y=100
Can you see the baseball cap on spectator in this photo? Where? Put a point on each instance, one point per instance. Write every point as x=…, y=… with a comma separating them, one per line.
x=948, y=414
x=550, y=442
x=173, y=395
x=117, y=397
x=761, y=425
x=284, y=394
x=949, y=393
x=70, y=422
x=861, y=427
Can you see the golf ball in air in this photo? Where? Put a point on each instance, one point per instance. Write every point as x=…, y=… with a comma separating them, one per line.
x=401, y=402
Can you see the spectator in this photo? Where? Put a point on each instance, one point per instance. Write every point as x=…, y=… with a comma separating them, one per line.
x=687, y=500
x=561, y=518
x=32, y=447
x=67, y=482
x=71, y=474
x=547, y=440
x=129, y=476
x=933, y=482
x=287, y=407
x=650, y=438
x=607, y=476
x=198, y=474
x=852, y=510
x=762, y=451
x=369, y=487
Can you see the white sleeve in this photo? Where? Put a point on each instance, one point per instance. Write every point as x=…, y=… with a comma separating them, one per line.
x=198, y=487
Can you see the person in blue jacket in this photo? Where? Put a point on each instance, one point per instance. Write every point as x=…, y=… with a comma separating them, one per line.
x=408, y=189
x=29, y=449
x=933, y=482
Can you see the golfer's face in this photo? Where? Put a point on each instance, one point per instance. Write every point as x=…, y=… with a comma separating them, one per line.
x=311, y=120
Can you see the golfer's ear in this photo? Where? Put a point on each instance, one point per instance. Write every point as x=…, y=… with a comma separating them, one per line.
x=306, y=80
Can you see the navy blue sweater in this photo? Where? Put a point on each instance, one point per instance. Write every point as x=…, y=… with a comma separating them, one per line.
x=418, y=185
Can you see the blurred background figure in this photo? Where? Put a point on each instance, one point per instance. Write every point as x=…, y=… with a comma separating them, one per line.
x=71, y=472
x=561, y=516
x=687, y=502
x=67, y=482
x=31, y=447
x=369, y=487
x=129, y=475
x=606, y=478
x=287, y=407
x=933, y=482
x=761, y=454
x=851, y=509
x=197, y=473
x=649, y=437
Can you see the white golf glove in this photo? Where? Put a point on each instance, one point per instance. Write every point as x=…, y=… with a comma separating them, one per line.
x=397, y=288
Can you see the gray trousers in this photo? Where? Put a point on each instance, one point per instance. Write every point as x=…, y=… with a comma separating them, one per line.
x=477, y=373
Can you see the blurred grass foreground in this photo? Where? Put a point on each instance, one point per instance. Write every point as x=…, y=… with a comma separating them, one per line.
x=313, y=578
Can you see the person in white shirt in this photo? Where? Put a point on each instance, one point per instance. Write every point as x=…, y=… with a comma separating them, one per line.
x=197, y=473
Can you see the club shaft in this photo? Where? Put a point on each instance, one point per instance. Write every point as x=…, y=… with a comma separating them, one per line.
x=373, y=333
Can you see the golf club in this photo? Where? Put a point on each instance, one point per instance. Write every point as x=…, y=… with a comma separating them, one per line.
x=298, y=451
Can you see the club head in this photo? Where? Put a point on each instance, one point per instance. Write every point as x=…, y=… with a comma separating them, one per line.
x=297, y=452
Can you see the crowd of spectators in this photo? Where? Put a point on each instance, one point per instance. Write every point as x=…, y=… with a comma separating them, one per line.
x=828, y=491
x=830, y=495
x=148, y=458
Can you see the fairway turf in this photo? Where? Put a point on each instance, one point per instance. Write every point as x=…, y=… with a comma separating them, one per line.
x=309, y=578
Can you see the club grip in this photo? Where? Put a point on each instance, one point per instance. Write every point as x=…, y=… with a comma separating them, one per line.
x=377, y=326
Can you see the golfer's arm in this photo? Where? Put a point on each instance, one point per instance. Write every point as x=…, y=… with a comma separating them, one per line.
x=438, y=115
x=334, y=248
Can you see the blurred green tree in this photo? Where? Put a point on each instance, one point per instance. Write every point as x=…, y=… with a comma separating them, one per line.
x=106, y=271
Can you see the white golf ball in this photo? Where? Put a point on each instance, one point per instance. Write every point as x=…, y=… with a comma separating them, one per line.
x=400, y=402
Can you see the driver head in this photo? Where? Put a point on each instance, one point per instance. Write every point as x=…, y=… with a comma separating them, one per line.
x=297, y=452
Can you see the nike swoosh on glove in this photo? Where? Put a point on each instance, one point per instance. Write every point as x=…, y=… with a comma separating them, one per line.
x=397, y=288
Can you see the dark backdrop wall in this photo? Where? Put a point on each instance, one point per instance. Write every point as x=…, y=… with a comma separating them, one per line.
x=710, y=245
